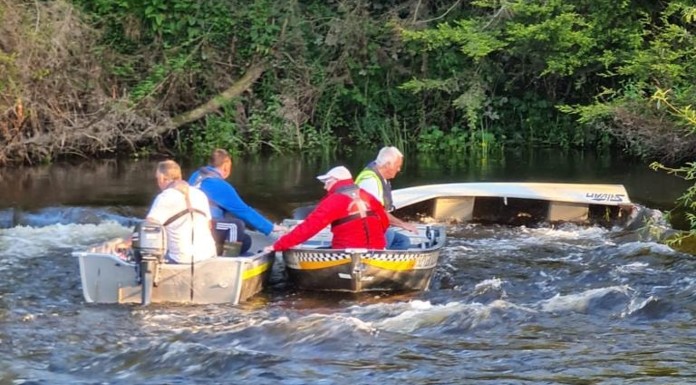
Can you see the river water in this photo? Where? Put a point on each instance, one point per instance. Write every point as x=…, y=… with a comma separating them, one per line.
x=508, y=305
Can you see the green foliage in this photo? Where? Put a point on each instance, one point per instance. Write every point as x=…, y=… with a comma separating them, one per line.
x=184, y=41
x=688, y=199
x=422, y=85
x=265, y=128
x=661, y=59
x=220, y=131
x=471, y=101
x=369, y=130
x=171, y=22
x=686, y=114
x=536, y=54
x=8, y=69
x=319, y=141
x=471, y=78
x=689, y=14
x=158, y=76
x=433, y=140
x=688, y=170
x=263, y=26
x=470, y=36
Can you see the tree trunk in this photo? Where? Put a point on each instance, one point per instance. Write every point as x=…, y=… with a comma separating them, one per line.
x=236, y=89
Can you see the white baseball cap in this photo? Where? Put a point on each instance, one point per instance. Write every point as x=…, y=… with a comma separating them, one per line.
x=338, y=173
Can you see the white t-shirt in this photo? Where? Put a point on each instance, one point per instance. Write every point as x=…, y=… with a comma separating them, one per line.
x=180, y=232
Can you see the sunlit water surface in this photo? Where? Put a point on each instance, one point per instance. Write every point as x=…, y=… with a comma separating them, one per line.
x=565, y=305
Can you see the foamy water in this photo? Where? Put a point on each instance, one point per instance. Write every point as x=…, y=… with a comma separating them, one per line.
x=506, y=305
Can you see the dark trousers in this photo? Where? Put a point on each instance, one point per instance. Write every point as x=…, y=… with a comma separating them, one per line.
x=230, y=230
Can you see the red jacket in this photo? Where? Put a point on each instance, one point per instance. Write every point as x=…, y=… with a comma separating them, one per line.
x=365, y=232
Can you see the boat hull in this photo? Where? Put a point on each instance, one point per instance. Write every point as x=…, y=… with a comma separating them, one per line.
x=516, y=203
x=359, y=270
x=107, y=278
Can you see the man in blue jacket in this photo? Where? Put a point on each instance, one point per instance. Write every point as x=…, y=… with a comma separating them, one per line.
x=225, y=203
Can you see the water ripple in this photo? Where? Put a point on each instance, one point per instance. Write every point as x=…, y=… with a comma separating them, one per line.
x=563, y=305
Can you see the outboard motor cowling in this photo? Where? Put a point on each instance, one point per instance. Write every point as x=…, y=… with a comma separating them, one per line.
x=149, y=240
x=149, y=246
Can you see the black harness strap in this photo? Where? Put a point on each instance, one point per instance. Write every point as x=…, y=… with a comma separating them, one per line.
x=352, y=217
x=190, y=210
x=353, y=191
x=187, y=210
x=181, y=214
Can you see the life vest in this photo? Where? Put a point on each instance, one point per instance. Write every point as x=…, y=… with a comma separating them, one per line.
x=207, y=173
x=182, y=187
x=383, y=187
x=357, y=209
x=203, y=174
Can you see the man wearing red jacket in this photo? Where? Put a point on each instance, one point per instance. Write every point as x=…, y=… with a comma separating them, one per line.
x=357, y=219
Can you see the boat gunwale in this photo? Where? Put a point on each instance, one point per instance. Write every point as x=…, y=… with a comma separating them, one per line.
x=439, y=243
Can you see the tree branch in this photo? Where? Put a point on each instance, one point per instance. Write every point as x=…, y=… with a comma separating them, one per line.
x=443, y=15
x=236, y=89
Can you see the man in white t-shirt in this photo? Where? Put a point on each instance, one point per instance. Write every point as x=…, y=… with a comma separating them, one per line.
x=185, y=214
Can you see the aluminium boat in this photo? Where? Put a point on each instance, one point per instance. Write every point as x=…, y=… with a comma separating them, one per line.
x=313, y=265
x=110, y=273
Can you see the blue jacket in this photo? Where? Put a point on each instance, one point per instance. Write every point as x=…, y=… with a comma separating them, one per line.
x=225, y=199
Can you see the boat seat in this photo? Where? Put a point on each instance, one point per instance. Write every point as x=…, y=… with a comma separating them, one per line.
x=426, y=239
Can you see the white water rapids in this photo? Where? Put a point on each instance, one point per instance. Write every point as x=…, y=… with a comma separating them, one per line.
x=509, y=305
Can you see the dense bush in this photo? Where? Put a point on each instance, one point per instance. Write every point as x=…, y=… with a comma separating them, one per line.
x=100, y=76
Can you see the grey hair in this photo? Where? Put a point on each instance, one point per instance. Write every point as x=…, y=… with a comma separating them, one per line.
x=169, y=169
x=388, y=155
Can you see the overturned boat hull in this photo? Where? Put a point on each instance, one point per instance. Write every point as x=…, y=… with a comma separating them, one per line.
x=515, y=203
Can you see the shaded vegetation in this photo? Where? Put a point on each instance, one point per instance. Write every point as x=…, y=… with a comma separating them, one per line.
x=92, y=77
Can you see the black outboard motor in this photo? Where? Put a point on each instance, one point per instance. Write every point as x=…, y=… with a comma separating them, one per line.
x=149, y=245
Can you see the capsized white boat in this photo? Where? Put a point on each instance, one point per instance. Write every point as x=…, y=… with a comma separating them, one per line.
x=515, y=202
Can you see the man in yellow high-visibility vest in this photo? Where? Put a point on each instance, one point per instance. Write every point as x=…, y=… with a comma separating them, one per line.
x=375, y=180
